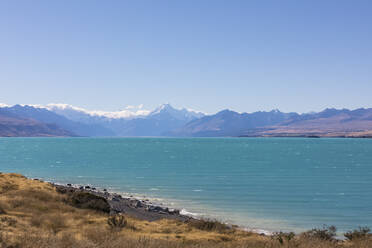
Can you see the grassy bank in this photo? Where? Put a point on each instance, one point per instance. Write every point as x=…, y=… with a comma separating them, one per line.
x=34, y=214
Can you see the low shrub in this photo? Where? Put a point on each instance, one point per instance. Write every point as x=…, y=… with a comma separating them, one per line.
x=327, y=233
x=209, y=225
x=283, y=236
x=360, y=233
x=89, y=201
x=117, y=222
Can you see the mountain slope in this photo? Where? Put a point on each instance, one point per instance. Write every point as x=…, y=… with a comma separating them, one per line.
x=12, y=125
x=230, y=123
x=330, y=122
x=159, y=122
x=66, y=120
x=45, y=116
x=134, y=121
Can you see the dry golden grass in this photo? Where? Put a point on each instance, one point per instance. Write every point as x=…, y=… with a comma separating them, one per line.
x=33, y=214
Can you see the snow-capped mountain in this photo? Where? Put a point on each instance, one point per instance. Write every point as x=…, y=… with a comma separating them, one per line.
x=67, y=120
x=81, y=114
x=180, y=114
x=159, y=122
x=131, y=121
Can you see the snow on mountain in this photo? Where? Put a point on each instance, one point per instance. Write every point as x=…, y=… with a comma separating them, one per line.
x=181, y=114
x=129, y=112
x=131, y=121
x=72, y=111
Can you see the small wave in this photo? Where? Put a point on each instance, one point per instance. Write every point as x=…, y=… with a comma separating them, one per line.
x=154, y=189
x=185, y=212
x=197, y=190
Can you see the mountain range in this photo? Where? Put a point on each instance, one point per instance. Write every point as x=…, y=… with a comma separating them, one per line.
x=13, y=125
x=67, y=120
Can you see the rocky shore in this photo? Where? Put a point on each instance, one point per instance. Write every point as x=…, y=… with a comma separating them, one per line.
x=137, y=208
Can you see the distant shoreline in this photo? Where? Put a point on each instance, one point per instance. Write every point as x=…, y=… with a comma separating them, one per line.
x=308, y=136
x=187, y=137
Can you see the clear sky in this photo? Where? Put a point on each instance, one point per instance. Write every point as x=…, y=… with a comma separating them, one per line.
x=206, y=55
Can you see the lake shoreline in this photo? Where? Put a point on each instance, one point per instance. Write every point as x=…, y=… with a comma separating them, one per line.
x=140, y=208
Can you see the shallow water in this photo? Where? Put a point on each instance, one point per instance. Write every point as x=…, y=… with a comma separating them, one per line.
x=289, y=184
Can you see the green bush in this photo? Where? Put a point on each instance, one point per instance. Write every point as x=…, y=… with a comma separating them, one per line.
x=326, y=233
x=89, y=201
x=361, y=232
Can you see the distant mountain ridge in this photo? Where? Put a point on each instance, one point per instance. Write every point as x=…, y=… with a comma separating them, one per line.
x=12, y=125
x=328, y=123
x=48, y=117
x=67, y=120
x=139, y=123
x=230, y=123
x=80, y=122
x=159, y=122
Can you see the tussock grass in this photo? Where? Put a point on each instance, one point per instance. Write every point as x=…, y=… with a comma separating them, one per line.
x=34, y=215
x=210, y=225
x=2, y=208
x=117, y=222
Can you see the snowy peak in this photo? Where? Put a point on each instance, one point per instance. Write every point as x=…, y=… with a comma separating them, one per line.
x=70, y=111
x=180, y=114
x=129, y=112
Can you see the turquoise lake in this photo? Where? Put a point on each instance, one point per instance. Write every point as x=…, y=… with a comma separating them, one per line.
x=289, y=184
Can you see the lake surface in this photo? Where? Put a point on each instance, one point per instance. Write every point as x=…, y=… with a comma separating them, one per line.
x=289, y=184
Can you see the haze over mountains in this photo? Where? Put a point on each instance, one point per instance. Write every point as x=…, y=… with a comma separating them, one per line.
x=67, y=120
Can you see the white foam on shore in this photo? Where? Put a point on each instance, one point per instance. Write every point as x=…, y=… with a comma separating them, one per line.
x=187, y=213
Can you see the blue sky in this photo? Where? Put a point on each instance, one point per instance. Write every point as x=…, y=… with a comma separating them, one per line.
x=205, y=55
